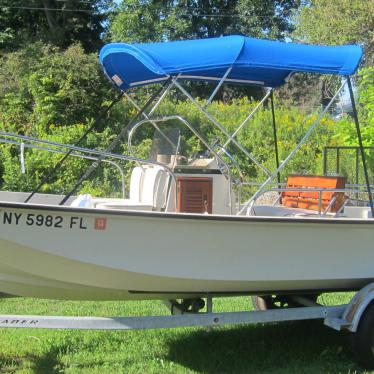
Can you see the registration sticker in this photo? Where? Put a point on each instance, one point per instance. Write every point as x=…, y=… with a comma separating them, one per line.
x=100, y=223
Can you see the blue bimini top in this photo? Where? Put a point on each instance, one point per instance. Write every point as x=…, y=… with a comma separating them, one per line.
x=252, y=61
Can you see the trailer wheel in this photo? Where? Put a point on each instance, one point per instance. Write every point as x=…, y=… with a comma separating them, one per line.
x=259, y=303
x=278, y=301
x=362, y=341
x=263, y=302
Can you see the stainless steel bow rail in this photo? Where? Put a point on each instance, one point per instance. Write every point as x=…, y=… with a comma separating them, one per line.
x=102, y=155
x=22, y=145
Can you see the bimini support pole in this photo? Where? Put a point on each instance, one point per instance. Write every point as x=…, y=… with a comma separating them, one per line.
x=220, y=127
x=250, y=202
x=363, y=157
x=116, y=141
x=187, y=124
x=47, y=177
x=275, y=136
x=250, y=115
x=148, y=116
x=220, y=83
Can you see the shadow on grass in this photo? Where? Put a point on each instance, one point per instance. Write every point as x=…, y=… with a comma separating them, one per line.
x=60, y=357
x=296, y=347
x=9, y=365
x=47, y=363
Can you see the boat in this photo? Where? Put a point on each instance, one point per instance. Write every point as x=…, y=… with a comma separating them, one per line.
x=184, y=232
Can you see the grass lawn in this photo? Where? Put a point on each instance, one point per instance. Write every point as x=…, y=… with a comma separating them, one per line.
x=297, y=347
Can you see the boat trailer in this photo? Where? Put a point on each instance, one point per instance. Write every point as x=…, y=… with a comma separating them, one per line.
x=356, y=317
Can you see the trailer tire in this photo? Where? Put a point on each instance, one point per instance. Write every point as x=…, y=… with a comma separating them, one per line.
x=267, y=302
x=362, y=341
x=278, y=301
x=261, y=302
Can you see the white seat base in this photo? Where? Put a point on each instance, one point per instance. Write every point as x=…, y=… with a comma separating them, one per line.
x=125, y=204
x=281, y=211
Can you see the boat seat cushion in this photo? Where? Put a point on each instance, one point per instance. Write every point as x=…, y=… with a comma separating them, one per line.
x=136, y=180
x=151, y=192
x=150, y=185
x=162, y=190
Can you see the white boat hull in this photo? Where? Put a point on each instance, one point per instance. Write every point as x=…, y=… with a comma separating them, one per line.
x=161, y=256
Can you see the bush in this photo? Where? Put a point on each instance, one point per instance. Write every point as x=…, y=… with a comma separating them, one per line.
x=55, y=95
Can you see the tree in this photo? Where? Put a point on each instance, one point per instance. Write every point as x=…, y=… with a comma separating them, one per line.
x=330, y=22
x=145, y=21
x=42, y=85
x=61, y=23
x=303, y=90
x=153, y=20
x=366, y=95
x=67, y=86
x=269, y=19
x=338, y=22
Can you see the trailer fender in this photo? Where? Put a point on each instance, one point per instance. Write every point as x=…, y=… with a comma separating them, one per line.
x=357, y=306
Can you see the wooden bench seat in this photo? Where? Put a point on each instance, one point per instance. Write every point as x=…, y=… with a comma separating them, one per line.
x=310, y=200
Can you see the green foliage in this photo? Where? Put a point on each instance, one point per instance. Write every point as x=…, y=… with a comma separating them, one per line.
x=15, y=99
x=61, y=23
x=338, y=22
x=366, y=95
x=330, y=22
x=55, y=95
x=257, y=136
x=303, y=90
x=40, y=163
x=267, y=18
x=43, y=85
x=36, y=161
x=67, y=85
x=347, y=133
x=49, y=93
x=155, y=21
x=142, y=21
x=347, y=129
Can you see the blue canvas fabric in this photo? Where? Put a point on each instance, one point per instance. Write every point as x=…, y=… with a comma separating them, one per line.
x=253, y=61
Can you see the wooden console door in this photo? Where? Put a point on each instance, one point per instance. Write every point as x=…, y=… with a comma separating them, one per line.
x=195, y=195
